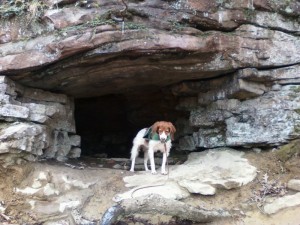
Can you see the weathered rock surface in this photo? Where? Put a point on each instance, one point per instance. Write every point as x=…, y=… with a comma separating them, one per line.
x=263, y=114
x=84, y=50
x=37, y=122
x=156, y=203
x=233, y=66
x=195, y=187
x=56, y=192
x=202, y=173
x=190, y=43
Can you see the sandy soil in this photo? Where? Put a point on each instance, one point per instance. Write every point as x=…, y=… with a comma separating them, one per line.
x=245, y=211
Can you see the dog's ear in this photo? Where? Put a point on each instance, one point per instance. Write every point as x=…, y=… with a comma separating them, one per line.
x=172, y=130
x=155, y=127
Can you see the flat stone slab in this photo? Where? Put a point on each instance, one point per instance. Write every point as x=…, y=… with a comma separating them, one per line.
x=282, y=203
x=202, y=173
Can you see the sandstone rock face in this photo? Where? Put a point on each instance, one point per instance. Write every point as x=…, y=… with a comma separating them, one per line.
x=219, y=59
x=194, y=41
x=36, y=122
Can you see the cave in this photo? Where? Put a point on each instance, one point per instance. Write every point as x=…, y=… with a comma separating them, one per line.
x=107, y=124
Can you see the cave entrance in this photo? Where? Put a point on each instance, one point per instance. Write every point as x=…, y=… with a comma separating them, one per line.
x=108, y=124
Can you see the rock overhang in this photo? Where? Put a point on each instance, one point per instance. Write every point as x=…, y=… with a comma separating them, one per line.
x=84, y=51
x=196, y=56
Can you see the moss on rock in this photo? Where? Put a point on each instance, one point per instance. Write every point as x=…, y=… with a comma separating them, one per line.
x=289, y=150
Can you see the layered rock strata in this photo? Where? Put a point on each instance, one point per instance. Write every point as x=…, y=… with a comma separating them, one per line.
x=250, y=108
x=233, y=64
x=36, y=122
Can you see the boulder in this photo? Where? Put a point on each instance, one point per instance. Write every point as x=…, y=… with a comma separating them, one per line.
x=230, y=170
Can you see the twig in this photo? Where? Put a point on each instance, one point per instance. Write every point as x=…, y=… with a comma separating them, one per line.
x=5, y=216
x=260, y=209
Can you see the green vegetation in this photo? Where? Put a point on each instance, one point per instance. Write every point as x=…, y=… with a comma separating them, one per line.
x=296, y=88
x=297, y=129
x=249, y=14
x=288, y=151
x=176, y=26
x=98, y=22
x=297, y=111
x=32, y=8
x=134, y=26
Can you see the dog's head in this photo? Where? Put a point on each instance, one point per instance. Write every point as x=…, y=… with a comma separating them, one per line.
x=164, y=129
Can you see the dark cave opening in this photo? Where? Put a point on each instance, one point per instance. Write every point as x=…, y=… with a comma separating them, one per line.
x=108, y=124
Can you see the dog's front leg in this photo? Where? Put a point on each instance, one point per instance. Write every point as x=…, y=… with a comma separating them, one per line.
x=151, y=157
x=163, y=164
x=146, y=157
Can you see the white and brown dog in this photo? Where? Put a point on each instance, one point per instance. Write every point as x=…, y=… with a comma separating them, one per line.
x=156, y=138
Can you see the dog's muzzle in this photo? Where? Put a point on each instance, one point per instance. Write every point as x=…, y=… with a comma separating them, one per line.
x=163, y=140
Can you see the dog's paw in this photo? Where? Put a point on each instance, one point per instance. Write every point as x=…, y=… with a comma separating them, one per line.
x=132, y=171
x=164, y=172
x=154, y=172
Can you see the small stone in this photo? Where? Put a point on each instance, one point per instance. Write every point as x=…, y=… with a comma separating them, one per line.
x=36, y=184
x=276, y=87
x=257, y=150
x=61, y=158
x=294, y=185
x=74, y=153
x=49, y=190
x=117, y=166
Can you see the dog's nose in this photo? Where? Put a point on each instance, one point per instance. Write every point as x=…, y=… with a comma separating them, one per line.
x=163, y=140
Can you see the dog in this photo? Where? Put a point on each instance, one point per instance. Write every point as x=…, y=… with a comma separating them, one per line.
x=156, y=138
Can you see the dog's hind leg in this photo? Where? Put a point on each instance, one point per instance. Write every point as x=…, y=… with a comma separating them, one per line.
x=134, y=154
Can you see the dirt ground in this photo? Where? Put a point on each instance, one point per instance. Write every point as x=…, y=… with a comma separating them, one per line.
x=244, y=210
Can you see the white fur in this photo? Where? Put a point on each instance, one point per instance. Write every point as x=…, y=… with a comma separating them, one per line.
x=149, y=148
